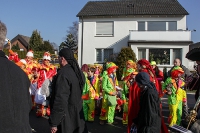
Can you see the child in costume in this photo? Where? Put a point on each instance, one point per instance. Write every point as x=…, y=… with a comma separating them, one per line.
x=173, y=87
x=109, y=83
x=129, y=73
x=97, y=69
x=85, y=97
x=90, y=94
x=85, y=94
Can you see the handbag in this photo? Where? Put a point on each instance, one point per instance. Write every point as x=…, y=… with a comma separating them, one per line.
x=39, y=98
x=112, y=100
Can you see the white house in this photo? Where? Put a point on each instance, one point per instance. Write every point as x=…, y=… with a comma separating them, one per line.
x=154, y=29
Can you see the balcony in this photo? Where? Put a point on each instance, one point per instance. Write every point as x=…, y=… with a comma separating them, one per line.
x=160, y=35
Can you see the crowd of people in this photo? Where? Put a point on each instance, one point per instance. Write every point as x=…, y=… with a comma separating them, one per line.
x=71, y=95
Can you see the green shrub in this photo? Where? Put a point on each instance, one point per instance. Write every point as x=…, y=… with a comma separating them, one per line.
x=125, y=54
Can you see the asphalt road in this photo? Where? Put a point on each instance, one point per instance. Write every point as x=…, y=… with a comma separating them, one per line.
x=41, y=124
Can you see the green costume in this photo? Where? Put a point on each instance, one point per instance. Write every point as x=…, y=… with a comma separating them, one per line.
x=109, y=82
x=88, y=97
x=176, y=95
x=125, y=76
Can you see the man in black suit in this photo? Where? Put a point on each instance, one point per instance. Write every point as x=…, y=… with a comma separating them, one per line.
x=15, y=98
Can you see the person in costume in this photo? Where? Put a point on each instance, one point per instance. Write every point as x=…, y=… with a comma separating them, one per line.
x=27, y=65
x=30, y=61
x=91, y=95
x=134, y=94
x=97, y=69
x=95, y=83
x=86, y=96
x=109, y=83
x=174, y=88
x=32, y=67
x=46, y=73
x=149, y=116
x=159, y=76
x=129, y=72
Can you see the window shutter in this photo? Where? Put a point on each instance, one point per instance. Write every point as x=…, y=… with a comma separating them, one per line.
x=104, y=28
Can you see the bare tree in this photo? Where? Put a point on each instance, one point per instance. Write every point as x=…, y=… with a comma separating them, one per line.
x=74, y=31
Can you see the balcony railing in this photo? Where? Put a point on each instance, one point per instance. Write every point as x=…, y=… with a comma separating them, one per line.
x=160, y=35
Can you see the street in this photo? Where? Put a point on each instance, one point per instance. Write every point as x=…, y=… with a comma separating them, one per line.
x=40, y=125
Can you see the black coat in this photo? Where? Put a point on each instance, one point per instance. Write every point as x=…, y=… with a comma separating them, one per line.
x=149, y=116
x=66, y=103
x=15, y=100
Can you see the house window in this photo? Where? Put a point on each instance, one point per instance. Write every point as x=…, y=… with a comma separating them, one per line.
x=172, y=26
x=161, y=56
x=177, y=54
x=104, y=55
x=104, y=28
x=141, y=54
x=156, y=26
x=141, y=26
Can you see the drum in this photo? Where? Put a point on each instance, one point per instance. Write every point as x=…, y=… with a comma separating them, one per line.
x=191, y=81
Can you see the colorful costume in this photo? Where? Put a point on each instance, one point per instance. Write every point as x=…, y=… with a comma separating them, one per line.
x=134, y=95
x=127, y=72
x=89, y=96
x=109, y=82
x=46, y=73
x=27, y=65
x=159, y=77
x=97, y=69
x=173, y=86
x=32, y=67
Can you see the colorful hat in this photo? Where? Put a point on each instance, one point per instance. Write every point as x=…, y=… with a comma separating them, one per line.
x=153, y=63
x=176, y=71
x=144, y=63
x=111, y=65
x=30, y=53
x=47, y=56
x=131, y=63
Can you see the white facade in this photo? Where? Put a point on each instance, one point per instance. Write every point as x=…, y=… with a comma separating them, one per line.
x=125, y=33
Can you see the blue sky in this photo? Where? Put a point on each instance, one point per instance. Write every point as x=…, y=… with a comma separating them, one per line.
x=53, y=17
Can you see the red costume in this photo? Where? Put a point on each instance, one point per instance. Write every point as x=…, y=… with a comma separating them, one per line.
x=134, y=95
x=46, y=71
